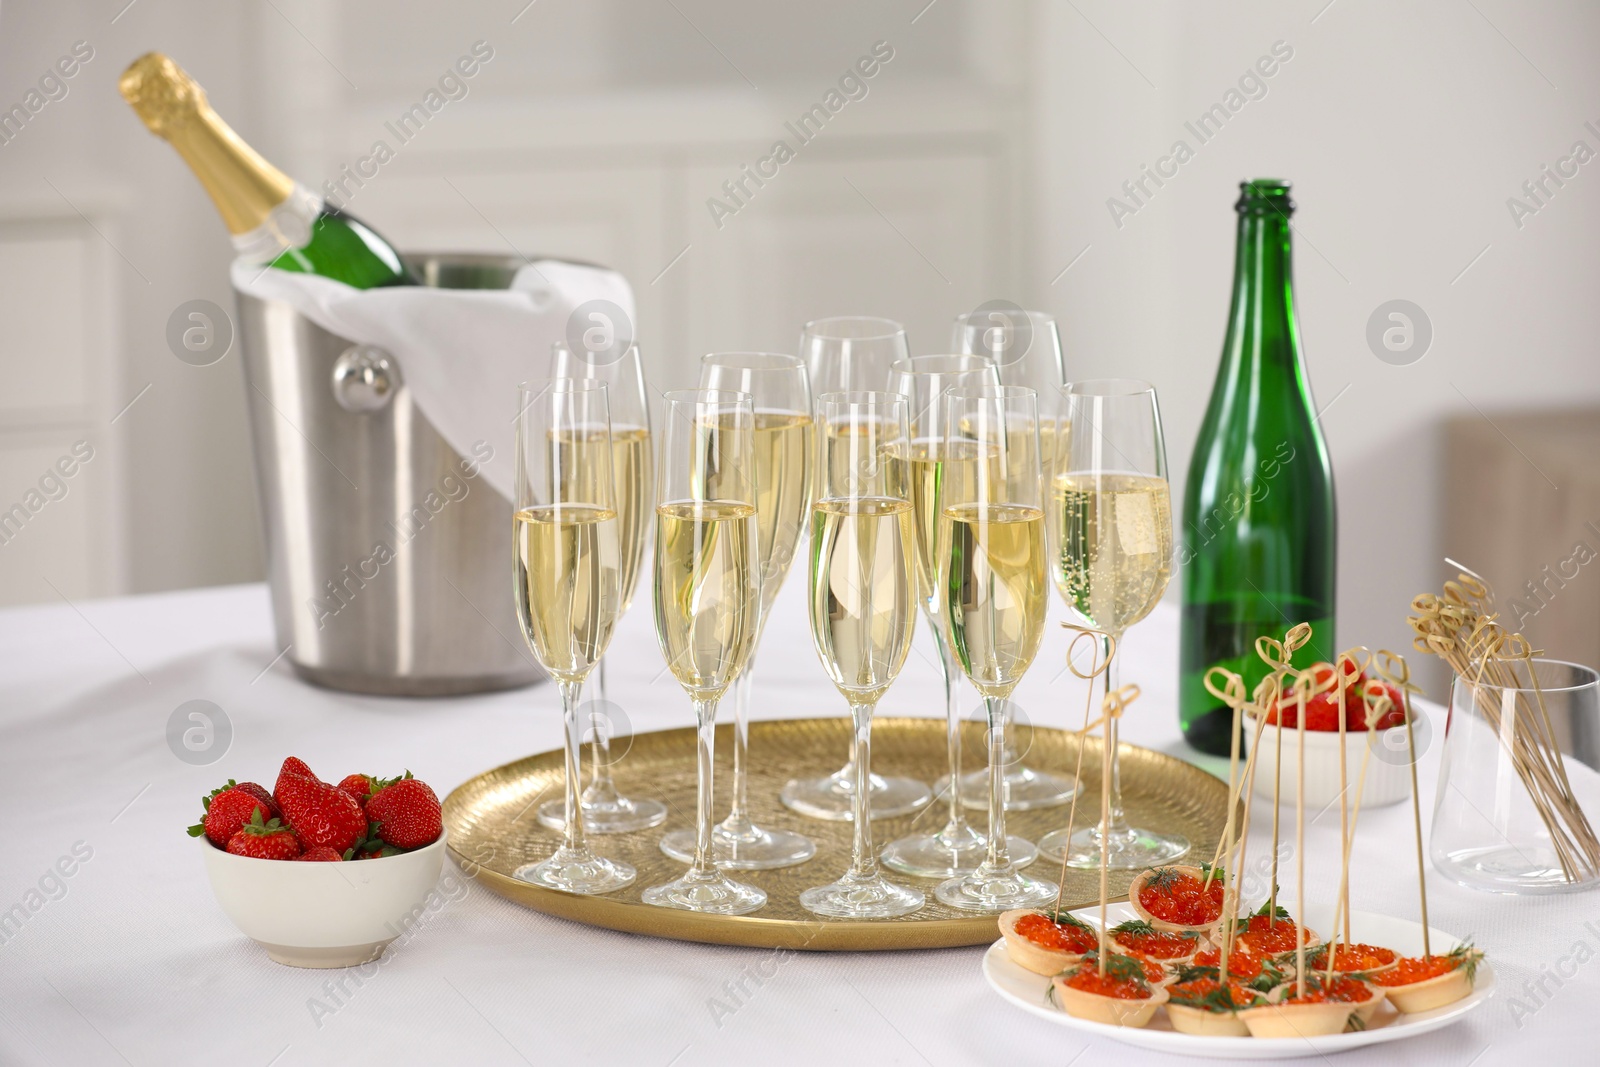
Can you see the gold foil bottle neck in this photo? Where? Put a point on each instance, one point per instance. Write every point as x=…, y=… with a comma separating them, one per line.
x=244, y=187
x=161, y=92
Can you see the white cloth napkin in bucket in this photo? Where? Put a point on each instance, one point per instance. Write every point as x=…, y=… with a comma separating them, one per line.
x=460, y=351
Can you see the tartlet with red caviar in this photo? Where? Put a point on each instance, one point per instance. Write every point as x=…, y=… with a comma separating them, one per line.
x=1125, y=995
x=1046, y=942
x=1168, y=947
x=1200, y=1004
x=1327, y=1007
x=1422, y=983
x=1180, y=898
x=1271, y=932
x=1351, y=959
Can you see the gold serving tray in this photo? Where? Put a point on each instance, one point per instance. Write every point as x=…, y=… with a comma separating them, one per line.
x=493, y=830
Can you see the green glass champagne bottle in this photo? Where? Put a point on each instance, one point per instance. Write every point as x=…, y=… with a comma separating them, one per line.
x=274, y=220
x=1258, y=510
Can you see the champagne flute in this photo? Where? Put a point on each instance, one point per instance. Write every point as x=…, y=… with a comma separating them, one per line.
x=707, y=598
x=844, y=353
x=567, y=569
x=925, y=382
x=606, y=811
x=1112, y=513
x=863, y=609
x=994, y=592
x=784, y=452
x=1026, y=347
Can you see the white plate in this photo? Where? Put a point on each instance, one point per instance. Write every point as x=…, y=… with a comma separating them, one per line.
x=1027, y=991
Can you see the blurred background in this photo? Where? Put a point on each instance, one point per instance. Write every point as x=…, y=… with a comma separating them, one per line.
x=986, y=160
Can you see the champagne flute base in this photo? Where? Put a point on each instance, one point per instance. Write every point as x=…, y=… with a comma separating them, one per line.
x=618, y=816
x=987, y=889
x=831, y=797
x=1025, y=789
x=710, y=893
x=758, y=850
x=862, y=897
x=943, y=855
x=577, y=871
x=1133, y=849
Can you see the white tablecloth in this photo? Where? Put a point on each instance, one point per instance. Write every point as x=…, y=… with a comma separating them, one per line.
x=130, y=960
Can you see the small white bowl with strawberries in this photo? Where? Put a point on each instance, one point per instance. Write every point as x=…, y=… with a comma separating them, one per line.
x=1388, y=776
x=271, y=858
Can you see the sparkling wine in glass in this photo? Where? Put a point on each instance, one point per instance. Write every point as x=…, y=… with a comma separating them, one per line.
x=994, y=591
x=926, y=383
x=863, y=608
x=567, y=563
x=1026, y=349
x=1112, y=517
x=707, y=598
x=784, y=452
x=605, y=810
x=844, y=353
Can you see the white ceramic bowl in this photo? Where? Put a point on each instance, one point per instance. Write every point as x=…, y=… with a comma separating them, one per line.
x=324, y=914
x=1388, y=773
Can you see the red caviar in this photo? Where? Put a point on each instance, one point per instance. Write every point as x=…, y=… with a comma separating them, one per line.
x=1268, y=937
x=1088, y=979
x=1046, y=933
x=1201, y=988
x=1181, y=898
x=1157, y=945
x=1354, y=957
x=1417, y=969
x=1340, y=991
x=1240, y=964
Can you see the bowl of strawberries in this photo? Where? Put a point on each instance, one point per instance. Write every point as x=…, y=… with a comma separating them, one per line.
x=1372, y=712
x=318, y=874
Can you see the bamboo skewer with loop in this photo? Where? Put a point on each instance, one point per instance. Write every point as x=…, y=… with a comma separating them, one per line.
x=1278, y=656
x=1230, y=691
x=1116, y=702
x=1096, y=669
x=1393, y=669
x=1377, y=705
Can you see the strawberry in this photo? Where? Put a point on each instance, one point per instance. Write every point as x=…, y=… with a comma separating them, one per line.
x=1322, y=712
x=269, y=840
x=320, y=854
x=362, y=786
x=406, y=813
x=227, y=810
x=320, y=814
x=259, y=792
x=292, y=768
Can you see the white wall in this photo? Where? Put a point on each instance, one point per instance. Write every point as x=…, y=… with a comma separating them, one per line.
x=992, y=142
x=1405, y=127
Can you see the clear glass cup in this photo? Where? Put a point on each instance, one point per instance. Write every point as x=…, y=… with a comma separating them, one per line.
x=605, y=810
x=784, y=454
x=994, y=595
x=1488, y=833
x=863, y=608
x=926, y=382
x=1026, y=349
x=566, y=556
x=707, y=599
x=844, y=353
x=1111, y=531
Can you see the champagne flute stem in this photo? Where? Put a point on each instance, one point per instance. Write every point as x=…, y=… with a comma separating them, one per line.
x=999, y=855
x=601, y=790
x=574, y=742
x=952, y=717
x=738, y=821
x=863, y=861
x=1116, y=822
x=706, y=718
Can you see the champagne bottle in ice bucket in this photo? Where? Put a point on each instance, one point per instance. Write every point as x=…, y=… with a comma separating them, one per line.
x=1258, y=514
x=274, y=219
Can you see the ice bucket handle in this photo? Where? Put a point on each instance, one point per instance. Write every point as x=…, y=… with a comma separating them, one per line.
x=365, y=378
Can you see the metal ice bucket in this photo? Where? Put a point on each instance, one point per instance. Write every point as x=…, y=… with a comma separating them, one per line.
x=388, y=555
